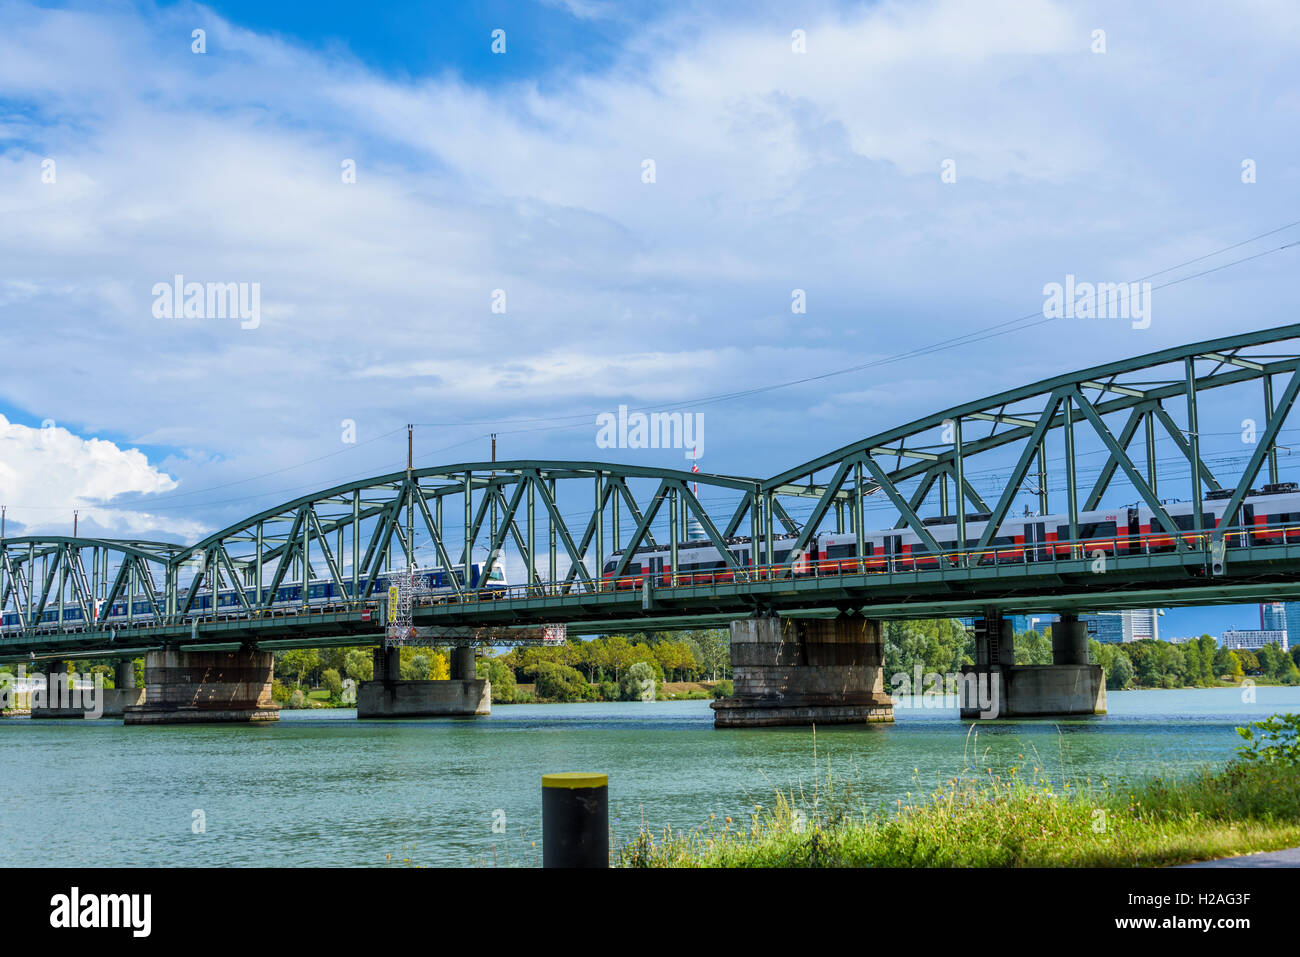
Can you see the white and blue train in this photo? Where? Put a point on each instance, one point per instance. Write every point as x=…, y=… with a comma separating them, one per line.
x=320, y=591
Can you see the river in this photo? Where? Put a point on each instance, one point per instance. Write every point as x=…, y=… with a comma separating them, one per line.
x=320, y=788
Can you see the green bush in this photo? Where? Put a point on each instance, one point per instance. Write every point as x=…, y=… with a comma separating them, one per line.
x=560, y=682
x=333, y=682
x=297, y=699
x=1273, y=741
x=501, y=678
x=608, y=691
x=638, y=683
x=279, y=692
x=724, y=689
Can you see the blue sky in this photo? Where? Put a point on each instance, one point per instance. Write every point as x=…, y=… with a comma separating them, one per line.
x=523, y=172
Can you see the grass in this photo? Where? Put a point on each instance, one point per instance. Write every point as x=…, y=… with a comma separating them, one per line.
x=1004, y=821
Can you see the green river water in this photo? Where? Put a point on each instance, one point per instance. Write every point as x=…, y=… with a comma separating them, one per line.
x=320, y=788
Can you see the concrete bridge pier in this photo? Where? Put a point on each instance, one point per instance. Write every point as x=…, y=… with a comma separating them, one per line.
x=791, y=671
x=996, y=687
x=205, y=687
x=47, y=704
x=124, y=694
x=388, y=696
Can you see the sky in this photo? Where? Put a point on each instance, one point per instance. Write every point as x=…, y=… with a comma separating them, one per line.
x=387, y=173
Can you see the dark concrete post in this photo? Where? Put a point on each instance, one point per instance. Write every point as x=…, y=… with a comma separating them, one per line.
x=388, y=663
x=124, y=674
x=995, y=642
x=575, y=820
x=462, y=663
x=1069, y=640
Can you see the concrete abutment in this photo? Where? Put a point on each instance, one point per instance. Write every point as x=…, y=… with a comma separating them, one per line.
x=205, y=687
x=996, y=687
x=792, y=671
x=388, y=696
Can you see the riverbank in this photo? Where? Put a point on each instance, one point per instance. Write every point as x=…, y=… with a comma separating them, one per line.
x=1006, y=821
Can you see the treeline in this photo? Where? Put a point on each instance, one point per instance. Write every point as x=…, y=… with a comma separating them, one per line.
x=1151, y=663
x=636, y=666
x=314, y=677
x=944, y=645
x=612, y=667
x=609, y=668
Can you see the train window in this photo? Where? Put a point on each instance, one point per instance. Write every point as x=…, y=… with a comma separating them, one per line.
x=783, y=556
x=1097, y=530
x=842, y=551
x=634, y=568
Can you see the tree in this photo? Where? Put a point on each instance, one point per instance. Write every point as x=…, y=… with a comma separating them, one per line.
x=618, y=654
x=359, y=665
x=1192, y=656
x=333, y=682
x=715, y=651
x=1033, y=648
x=299, y=662
x=638, y=684
x=1121, y=673
x=1234, y=665
x=418, y=668
x=501, y=678
x=560, y=682
x=1208, y=648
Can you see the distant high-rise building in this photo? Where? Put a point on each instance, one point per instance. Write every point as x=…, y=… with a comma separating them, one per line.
x=1140, y=623
x=1114, y=627
x=1252, y=640
x=1291, y=614
x=1106, y=626
x=1272, y=616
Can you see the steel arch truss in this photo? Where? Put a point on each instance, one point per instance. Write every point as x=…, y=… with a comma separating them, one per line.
x=568, y=514
x=924, y=468
x=44, y=574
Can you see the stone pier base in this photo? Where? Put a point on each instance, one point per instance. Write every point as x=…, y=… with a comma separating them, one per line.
x=388, y=696
x=791, y=671
x=205, y=687
x=423, y=699
x=1033, y=691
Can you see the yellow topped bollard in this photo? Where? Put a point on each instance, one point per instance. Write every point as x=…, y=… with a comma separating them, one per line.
x=575, y=819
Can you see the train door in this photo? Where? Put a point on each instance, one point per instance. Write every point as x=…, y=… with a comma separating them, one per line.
x=893, y=549
x=655, y=570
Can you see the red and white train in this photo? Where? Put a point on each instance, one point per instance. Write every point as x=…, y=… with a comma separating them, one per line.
x=1269, y=515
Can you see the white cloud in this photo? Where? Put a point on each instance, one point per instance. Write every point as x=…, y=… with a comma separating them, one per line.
x=46, y=473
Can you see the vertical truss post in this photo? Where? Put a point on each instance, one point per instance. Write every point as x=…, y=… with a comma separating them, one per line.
x=943, y=494
x=356, y=542
x=469, y=526
x=756, y=532
x=1071, y=485
x=858, y=527
x=1194, y=436
x=768, y=518
x=549, y=490
x=532, y=529
x=1268, y=417
x=959, y=479
x=599, y=506
x=673, y=516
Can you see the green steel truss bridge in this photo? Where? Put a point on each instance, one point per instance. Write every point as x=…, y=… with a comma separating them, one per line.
x=1136, y=432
